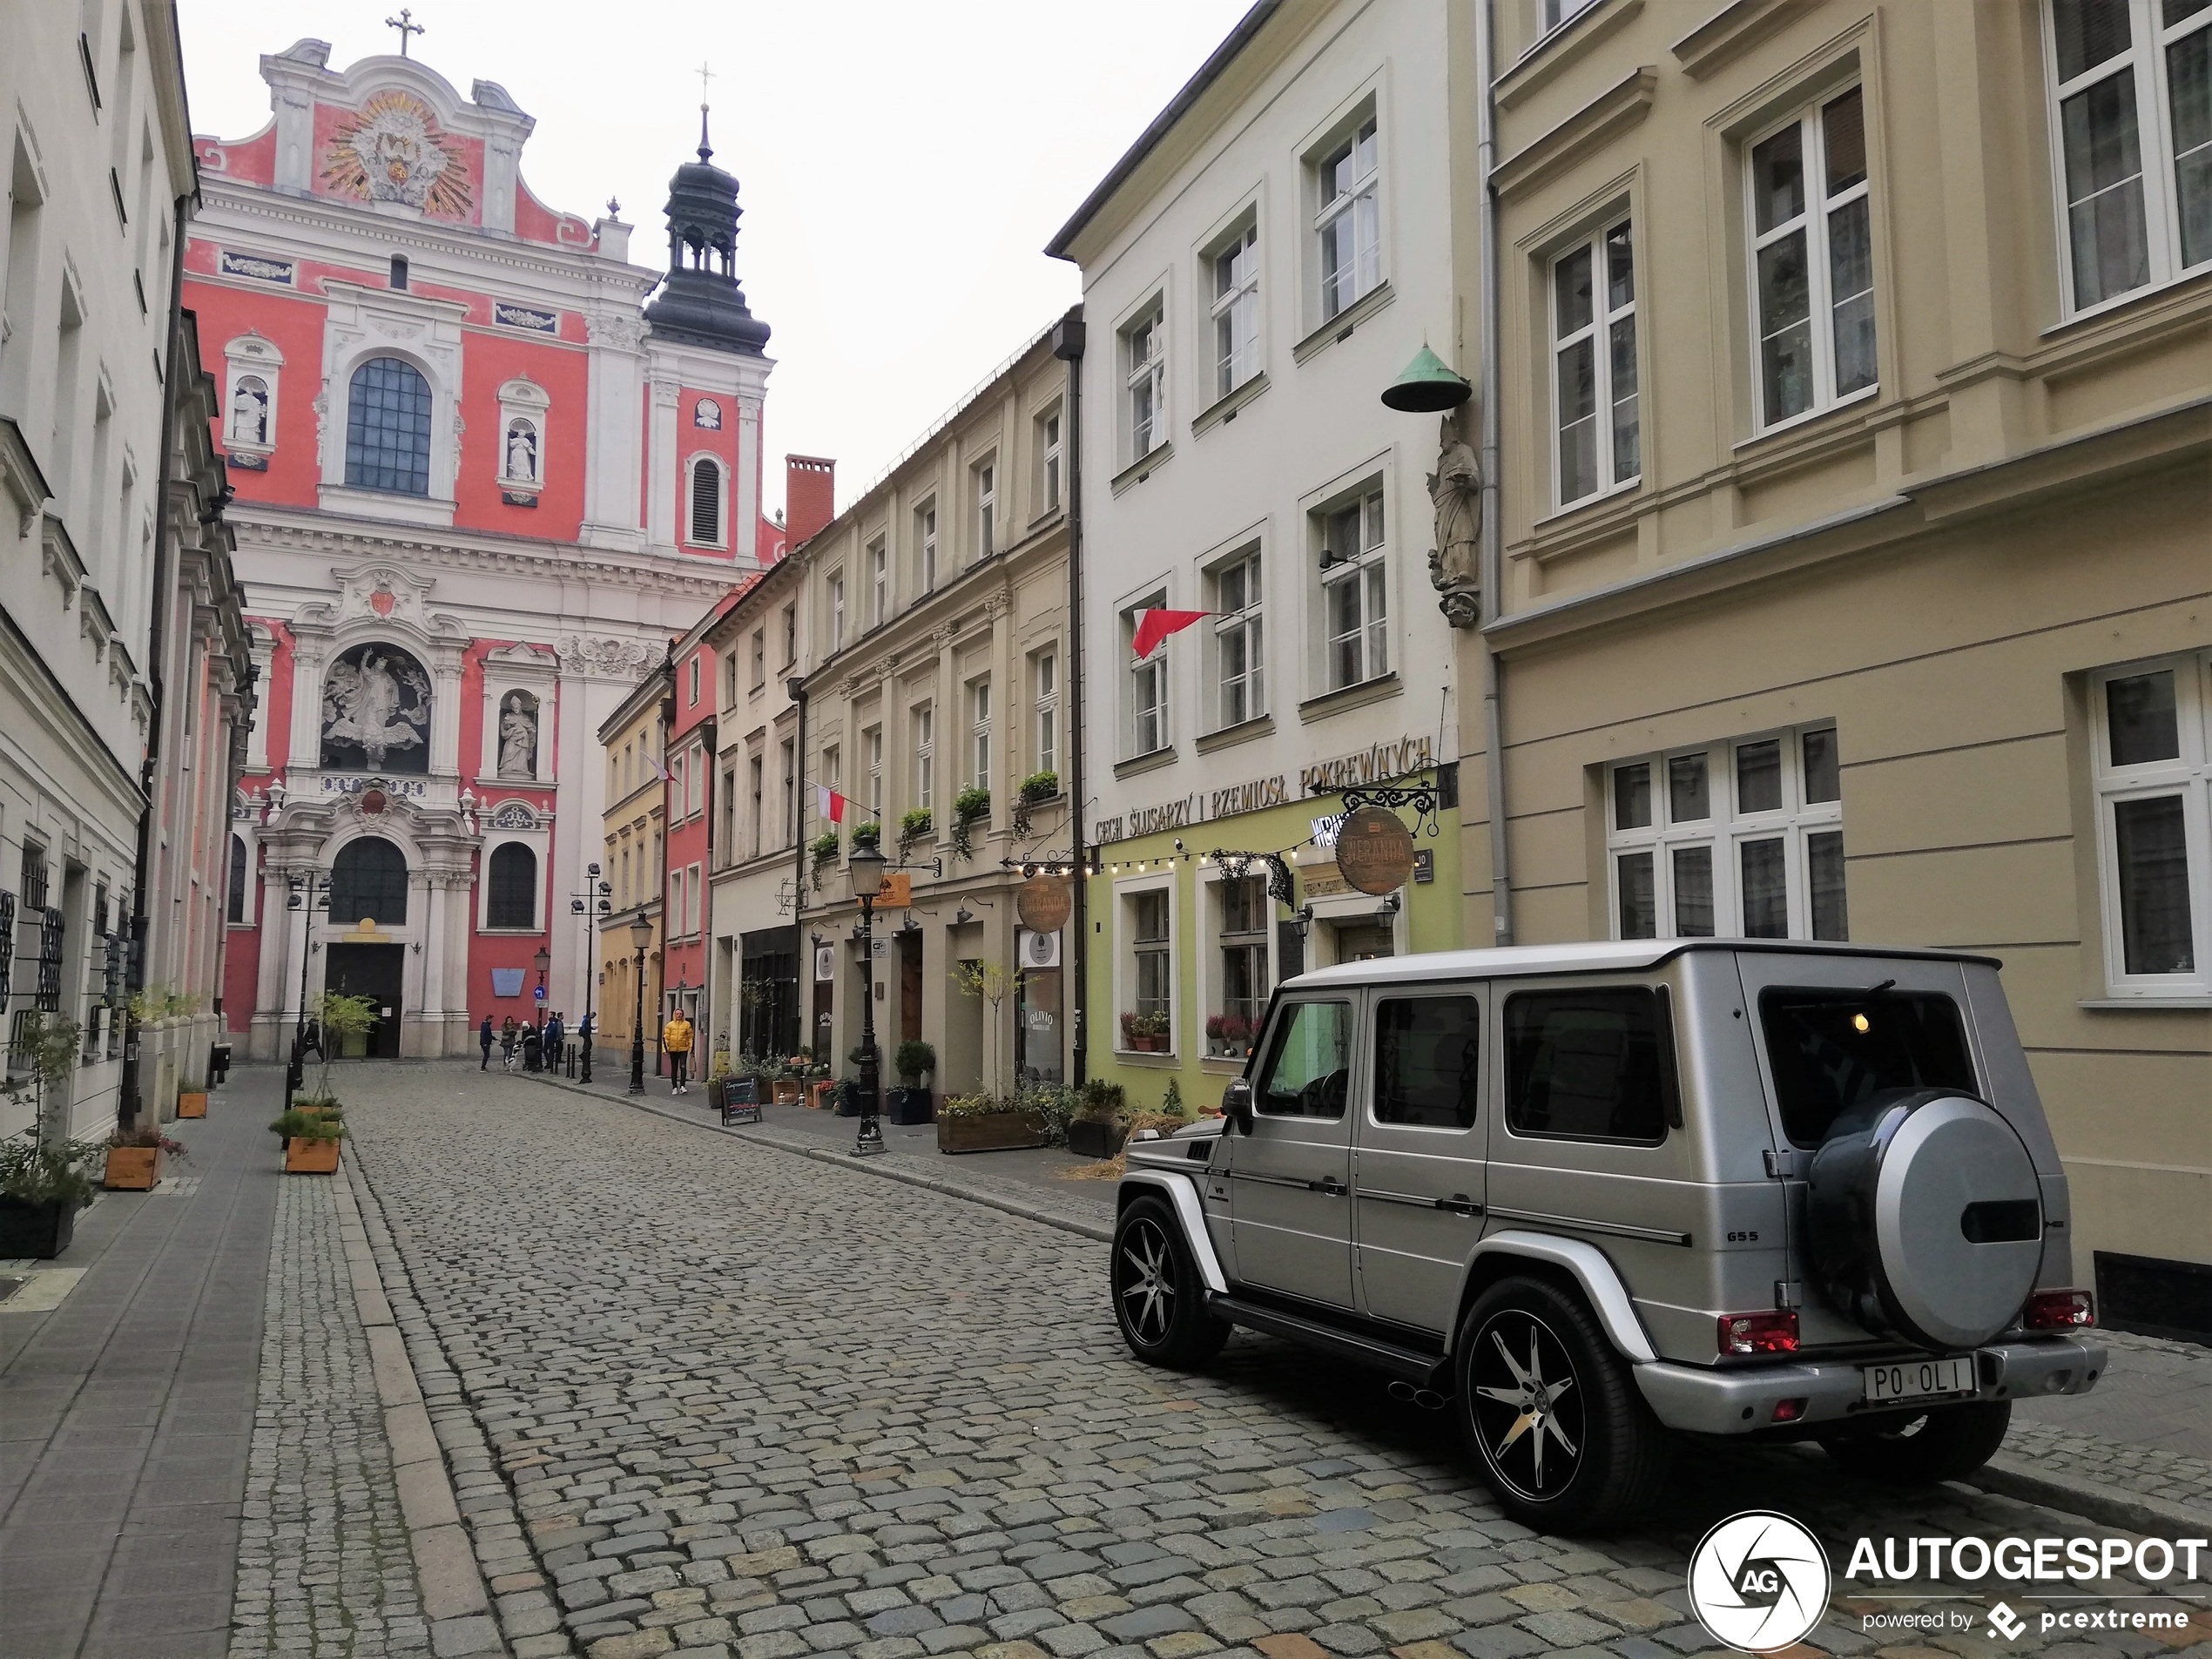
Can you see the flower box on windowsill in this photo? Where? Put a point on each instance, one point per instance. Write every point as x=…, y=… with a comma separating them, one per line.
x=1227, y=1049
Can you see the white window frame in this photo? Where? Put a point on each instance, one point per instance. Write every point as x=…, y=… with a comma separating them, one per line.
x=872, y=743
x=693, y=919
x=1144, y=381
x=1363, y=191
x=690, y=487
x=1368, y=565
x=695, y=782
x=1145, y=683
x=1606, y=320
x=1051, y=460
x=2146, y=62
x=983, y=479
x=1125, y=893
x=2190, y=776
x=1247, y=621
x=1233, y=310
x=1213, y=986
x=1044, y=680
x=926, y=544
x=880, y=581
x=837, y=611
x=979, y=732
x=1813, y=219
x=691, y=690
x=1724, y=831
x=925, y=721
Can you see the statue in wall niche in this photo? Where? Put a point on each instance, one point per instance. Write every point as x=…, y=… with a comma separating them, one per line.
x=249, y=411
x=521, y=453
x=1455, y=566
x=518, y=736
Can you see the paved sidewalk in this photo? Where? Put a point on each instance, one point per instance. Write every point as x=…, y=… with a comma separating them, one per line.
x=127, y=1410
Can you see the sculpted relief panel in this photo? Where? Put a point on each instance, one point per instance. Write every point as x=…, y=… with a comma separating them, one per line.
x=376, y=711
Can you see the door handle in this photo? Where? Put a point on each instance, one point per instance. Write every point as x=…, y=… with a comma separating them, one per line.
x=1460, y=1205
x=1329, y=1186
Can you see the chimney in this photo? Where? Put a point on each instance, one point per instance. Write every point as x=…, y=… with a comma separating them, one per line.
x=810, y=496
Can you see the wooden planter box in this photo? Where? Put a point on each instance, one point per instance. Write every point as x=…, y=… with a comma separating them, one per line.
x=787, y=1092
x=912, y=1106
x=40, y=1231
x=132, y=1169
x=991, y=1132
x=192, y=1104
x=1096, y=1137
x=311, y=1157
x=818, y=1093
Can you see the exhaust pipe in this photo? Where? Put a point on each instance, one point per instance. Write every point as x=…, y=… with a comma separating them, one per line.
x=1427, y=1399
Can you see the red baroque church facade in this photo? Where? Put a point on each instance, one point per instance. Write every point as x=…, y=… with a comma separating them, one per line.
x=486, y=467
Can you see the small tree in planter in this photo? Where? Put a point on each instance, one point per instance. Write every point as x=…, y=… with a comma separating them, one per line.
x=1037, y=788
x=49, y=1044
x=1099, y=1125
x=914, y=827
x=914, y=1059
x=993, y=983
x=310, y=1141
x=968, y=805
x=344, y=1018
x=42, y=1185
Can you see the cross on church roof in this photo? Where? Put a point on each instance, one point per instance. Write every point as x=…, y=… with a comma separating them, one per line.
x=704, y=75
x=405, y=25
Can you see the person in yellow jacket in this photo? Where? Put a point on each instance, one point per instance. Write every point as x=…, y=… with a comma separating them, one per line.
x=676, y=1041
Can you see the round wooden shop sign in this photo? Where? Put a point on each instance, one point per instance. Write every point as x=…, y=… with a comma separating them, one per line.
x=1375, y=851
x=1044, y=903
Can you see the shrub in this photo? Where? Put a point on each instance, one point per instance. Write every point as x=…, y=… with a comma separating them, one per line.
x=303, y=1126
x=917, y=823
x=914, y=1059
x=971, y=802
x=1172, y=1105
x=870, y=834
x=1100, y=1098
x=1217, y=1027
x=147, y=1135
x=1040, y=785
x=45, y=1172
x=824, y=847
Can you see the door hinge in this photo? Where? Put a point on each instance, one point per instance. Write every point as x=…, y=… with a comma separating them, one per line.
x=1784, y=1165
x=1789, y=1293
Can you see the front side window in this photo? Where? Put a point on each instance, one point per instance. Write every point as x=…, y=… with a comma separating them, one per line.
x=1045, y=682
x=879, y=584
x=1239, y=653
x=791, y=635
x=692, y=691
x=706, y=502
x=2153, y=802
x=368, y=883
x=1148, y=682
x=837, y=611
x=1427, y=1060
x=1347, y=221
x=1741, y=838
x=1242, y=942
x=1309, y=1062
x=1812, y=256
x=759, y=658
x=1049, y=462
x=926, y=543
x=512, y=900
x=387, y=428
x=1153, y=955
x=1595, y=1065
x=1593, y=365
x=240, y=900
x=925, y=757
x=2132, y=82
x=1355, y=608
x=1145, y=367
x=1236, y=311
x=872, y=745
x=1834, y=1052
x=987, y=509
x=979, y=734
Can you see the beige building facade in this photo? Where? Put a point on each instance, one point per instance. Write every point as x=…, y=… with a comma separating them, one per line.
x=937, y=613
x=1854, y=377
x=634, y=862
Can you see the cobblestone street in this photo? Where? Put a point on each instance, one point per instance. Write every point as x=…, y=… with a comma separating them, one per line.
x=746, y=1403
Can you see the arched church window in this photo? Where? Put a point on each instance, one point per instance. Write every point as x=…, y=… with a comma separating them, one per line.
x=706, y=501
x=237, y=900
x=368, y=883
x=387, y=428
x=512, y=899
x=249, y=410
x=521, y=452
x=376, y=711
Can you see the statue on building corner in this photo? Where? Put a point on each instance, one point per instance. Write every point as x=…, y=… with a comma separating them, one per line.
x=1455, y=488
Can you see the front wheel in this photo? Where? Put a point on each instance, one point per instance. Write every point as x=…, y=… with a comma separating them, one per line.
x=1561, y=1432
x=1159, y=1301
x=1940, y=1445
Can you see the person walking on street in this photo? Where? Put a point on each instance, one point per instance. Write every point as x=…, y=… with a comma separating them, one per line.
x=533, y=1047
x=509, y=1035
x=483, y=1039
x=676, y=1041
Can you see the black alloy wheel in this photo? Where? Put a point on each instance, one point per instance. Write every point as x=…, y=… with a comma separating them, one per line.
x=1528, y=1408
x=1159, y=1302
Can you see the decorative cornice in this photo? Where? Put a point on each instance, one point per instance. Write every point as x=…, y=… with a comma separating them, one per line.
x=1603, y=118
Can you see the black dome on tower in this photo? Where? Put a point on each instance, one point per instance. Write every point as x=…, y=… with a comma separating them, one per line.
x=700, y=301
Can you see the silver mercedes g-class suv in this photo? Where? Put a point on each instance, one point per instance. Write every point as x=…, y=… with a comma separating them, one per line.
x=1599, y=1196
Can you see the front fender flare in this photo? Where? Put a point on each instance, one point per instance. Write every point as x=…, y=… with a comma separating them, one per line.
x=1183, y=1199
x=1591, y=1269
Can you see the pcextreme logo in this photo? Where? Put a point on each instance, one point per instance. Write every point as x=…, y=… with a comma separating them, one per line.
x=1758, y=1581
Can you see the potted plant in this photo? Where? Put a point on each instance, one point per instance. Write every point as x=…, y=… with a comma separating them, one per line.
x=968, y=805
x=824, y=848
x=1228, y=1036
x=914, y=826
x=912, y=1102
x=986, y=1122
x=134, y=1158
x=310, y=1141
x=42, y=1185
x=1145, y=1033
x=867, y=835
x=1037, y=789
x=1100, y=1124
x=786, y=1082
x=192, y=1103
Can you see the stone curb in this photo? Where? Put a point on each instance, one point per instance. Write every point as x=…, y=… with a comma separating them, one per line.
x=455, y=1600
x=877, y=1166
x=2014, y=1477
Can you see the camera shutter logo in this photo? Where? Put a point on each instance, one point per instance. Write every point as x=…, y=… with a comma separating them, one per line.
x=1758, y=1581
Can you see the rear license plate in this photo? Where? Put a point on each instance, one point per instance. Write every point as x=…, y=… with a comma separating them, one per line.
x=1917, y=1378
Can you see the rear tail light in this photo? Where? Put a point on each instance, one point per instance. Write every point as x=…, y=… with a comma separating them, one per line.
x=1774, y=1331
x=1788, y=1411
x=2060, y=1310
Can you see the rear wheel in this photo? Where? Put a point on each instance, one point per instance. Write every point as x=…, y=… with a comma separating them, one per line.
x=1159, y=1300
x=1940, y=1445
x=1558, y=1426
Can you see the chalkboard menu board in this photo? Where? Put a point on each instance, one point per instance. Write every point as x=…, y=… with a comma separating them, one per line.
x=737, y=1098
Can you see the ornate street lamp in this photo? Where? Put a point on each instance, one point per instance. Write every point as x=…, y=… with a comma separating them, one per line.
x=865, y=867
x=543, y=960
x=310, y=893
x=641, y=940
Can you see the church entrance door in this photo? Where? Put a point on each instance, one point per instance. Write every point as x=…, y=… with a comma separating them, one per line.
x=376, y=972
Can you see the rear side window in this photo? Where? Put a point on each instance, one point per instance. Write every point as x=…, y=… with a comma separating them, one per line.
x=1426, y=1061
x=1590, y=1065
x=1835, y=1051
x=1308, y=1063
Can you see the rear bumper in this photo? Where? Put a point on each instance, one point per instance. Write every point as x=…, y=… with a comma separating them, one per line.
x=1739, y=1401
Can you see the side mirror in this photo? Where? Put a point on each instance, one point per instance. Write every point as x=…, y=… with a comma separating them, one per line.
x=1237, y=1104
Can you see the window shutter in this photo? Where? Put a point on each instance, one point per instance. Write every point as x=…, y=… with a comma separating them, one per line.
x=706, y=502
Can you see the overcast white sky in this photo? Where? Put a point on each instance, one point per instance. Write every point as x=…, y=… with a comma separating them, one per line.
x=901, y=165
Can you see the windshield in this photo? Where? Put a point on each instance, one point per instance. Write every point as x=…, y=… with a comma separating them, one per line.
x=1834, y=1050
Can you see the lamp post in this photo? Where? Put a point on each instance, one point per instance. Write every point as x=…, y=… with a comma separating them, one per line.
x=866, y=868
x=590, y=905
x=310, y=893
x=641, y=938
x=543, y=960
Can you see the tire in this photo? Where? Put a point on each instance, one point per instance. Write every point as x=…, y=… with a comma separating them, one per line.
x=1159, y=1300
x=1597, y=1456
x=1940, y=1445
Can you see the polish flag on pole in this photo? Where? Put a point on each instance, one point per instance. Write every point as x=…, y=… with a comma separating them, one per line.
x=1153, y=626
x=831, y=803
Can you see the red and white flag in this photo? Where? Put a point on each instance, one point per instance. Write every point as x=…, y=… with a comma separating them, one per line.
x=1153, y=626
x=831, y=804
